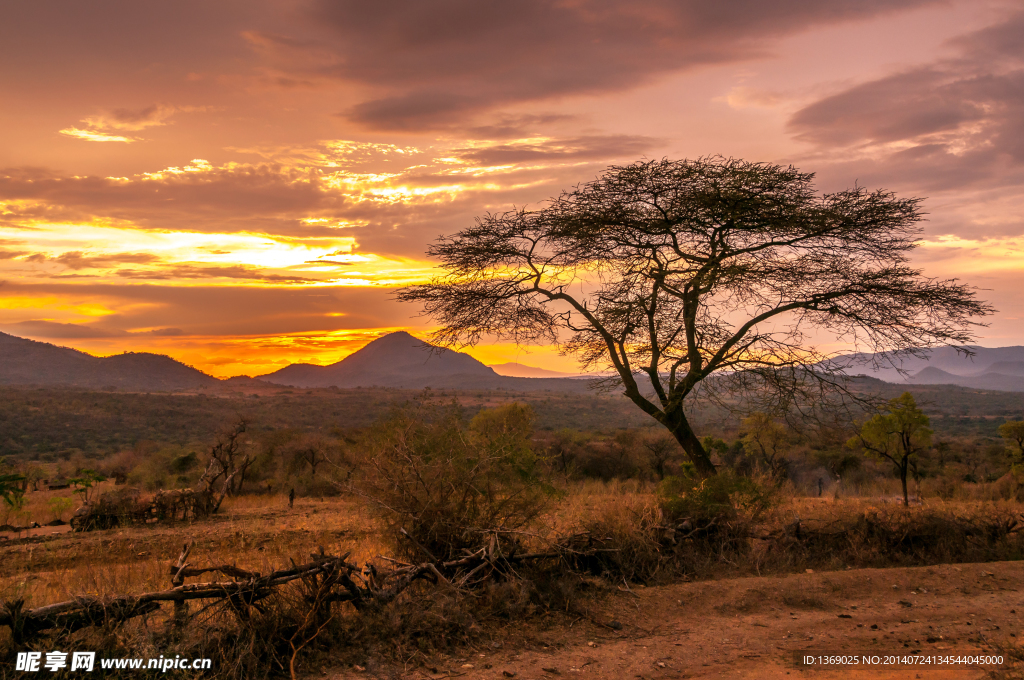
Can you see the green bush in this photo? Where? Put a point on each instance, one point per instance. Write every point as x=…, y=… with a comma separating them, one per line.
x=59, y=505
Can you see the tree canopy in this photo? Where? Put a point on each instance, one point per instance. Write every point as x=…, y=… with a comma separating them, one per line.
x=897, y=436
x=667, y=272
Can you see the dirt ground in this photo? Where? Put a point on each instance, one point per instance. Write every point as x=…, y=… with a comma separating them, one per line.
x=747, y=628
x=754, y=628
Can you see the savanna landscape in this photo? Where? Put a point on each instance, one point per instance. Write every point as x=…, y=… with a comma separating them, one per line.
x=512, y=340
x=795, y=564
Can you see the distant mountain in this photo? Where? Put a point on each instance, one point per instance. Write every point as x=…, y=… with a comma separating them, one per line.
x=514, y=369
x=985, y=381
x=400, y=360
x=991, y=368
x=394, y=360
x=27, y=362
x=1007, y=368
x=945, y=358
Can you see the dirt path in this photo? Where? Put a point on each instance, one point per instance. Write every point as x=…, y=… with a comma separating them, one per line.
x=754, y=627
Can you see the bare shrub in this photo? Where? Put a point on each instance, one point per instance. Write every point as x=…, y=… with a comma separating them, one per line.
x=624, y=539
x=442, y=486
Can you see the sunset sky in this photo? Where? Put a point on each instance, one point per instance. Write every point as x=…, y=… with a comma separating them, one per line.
x=242, y=185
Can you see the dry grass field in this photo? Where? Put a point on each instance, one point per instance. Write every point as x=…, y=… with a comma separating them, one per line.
x=629, y=577
x=734, y=614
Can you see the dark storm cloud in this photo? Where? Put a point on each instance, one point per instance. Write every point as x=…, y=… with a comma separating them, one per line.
x=438, y=62
x=952, y=123
x=70, y=39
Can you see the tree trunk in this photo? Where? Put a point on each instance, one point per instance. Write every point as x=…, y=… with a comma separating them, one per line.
x=680, y=428
x=903, y=480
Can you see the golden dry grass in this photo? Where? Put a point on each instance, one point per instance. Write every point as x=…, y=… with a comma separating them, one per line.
x=254, y=532
x=260, y=532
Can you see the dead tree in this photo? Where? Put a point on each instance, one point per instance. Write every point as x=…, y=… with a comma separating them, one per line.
x=312, y=450
x=226, y=463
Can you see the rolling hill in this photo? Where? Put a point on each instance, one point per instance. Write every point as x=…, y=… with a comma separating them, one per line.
x=27, y=362
x=514, y=369
x=399, y=360
x=991, y=368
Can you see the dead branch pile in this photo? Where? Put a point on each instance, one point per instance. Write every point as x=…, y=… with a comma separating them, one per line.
x=327, y=580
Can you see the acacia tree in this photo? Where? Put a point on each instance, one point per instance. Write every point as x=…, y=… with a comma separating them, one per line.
x=669, y=272
x=896, y=436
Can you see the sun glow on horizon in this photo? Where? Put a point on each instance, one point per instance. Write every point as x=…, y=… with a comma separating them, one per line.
x=257, y=203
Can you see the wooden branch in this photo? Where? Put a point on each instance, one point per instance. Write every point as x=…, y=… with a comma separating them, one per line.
x=92, y=610
x=226, y=569
x=378, y=589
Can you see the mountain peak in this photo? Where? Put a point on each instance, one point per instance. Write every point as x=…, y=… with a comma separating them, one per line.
x=397, y=359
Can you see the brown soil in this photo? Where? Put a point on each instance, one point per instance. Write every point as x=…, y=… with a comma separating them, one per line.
x=754, y=627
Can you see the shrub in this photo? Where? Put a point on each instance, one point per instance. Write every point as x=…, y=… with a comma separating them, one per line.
x=448, y=485
x=59, y=505
x=628, y=534
x=723, y=495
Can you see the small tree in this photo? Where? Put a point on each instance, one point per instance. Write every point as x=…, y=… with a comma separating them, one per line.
x=898, y=436
x=1013, y=432
x=59, y=505
x=699, y=278
x=506, y=431
x=85, y=481
x=661, y=450
x=12, y=494
x=766, y=440
x=564, y=450
x=227, y=465
x=311, y=450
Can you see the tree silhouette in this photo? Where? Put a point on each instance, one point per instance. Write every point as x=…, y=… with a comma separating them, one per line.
x=766, y=440
x=669, y=272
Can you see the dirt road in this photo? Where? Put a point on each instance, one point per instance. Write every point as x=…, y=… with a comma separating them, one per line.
x=753, y=628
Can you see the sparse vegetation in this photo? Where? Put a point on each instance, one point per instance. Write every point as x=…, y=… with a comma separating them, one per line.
x=610, y=508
